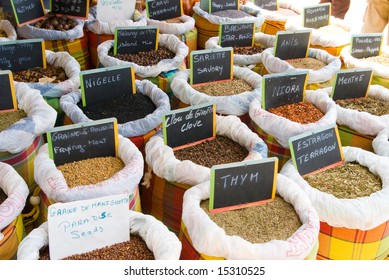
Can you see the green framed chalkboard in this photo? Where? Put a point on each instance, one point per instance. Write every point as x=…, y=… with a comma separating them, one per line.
x=27, y=11
x=292, y=44
x=317, y=16
x=366, y=45
x=72, y=8
x=134, y=39
x=351, y=83
x=163, y=10
x=8, y=100
x=239, y=34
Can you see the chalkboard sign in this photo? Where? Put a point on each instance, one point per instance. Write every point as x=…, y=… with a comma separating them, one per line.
x=270, y=5
x=316, y=150
x=366, y=45
x=351, y=83
x=102, y=84
x=164, y=9
x=213, y=6
x=282, y=89
x=72, y=8
x=242, y=184
x=211, y=65
x=292, y=44
x=317, y=16
x=188, y=126
x=22, y=54
x=26, y=11
x=83, y=141
x=239, y=34
x=134, y=39
x=7, y=92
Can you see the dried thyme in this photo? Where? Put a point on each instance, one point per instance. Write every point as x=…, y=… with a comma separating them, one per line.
x=9, y=118
x=366, y=104
x=225, y=88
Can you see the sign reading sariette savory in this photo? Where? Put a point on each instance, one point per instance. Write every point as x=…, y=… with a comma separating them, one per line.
x=73, y=8
x=102, y=84
x=270, y=5
x=22, y=54
x=242, y=184
x=316, y=150
x=292, y=44
x=366, y=45
x=134, y=39
x=282, y=89
x=239, y=34
x=26, y=11
x=211, y=65
x=7, y=93
x=212, y=6
x=189, y=126
x=351, y=83
x=83, y=141
x=317, y=16
x=164, y=9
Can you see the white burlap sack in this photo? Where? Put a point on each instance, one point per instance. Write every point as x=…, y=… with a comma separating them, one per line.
x=237, y=104
x=363, y=213
x=102, y=27
x=275, y=65
x=40, y=117
x=53, y=183
x=282, y=128
x=381, y=143
x=8, y=28
x=16, y=190
x=168, y=41
x=163, y=243
x=264, y=40
x=72, y=69
x=164, y=164
x=277, y=16
x=186, y=25
x=68, y=103
x=210, y=239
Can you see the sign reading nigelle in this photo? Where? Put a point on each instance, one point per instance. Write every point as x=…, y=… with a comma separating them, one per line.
x=270, y=5
x=85, y=225
x=134, y=39
x=74, y=8
x=316, y=150
x=164, y=9
x=189, y=126
x=351, y=83
x=292, y=44
x=317, y=16
x=237, y=34
x=366, y=45
x=83, y=141
x=26, y=11
x=7, y=93
x=243, y=184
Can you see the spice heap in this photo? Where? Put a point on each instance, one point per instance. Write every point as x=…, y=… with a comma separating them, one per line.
x=3, y=196
x=219, y=150
x=332, y=30
x=248, y=50
x=225, y=88
x=3, y=33
x=306, y=63
x=146, y=58
x=350, y=180
x=39, y=74
x=90, y=171
x=125, y=108
x=232, y=14
x=301, y=112
x=55, y=22
x=382, y=59
x=275, y=220
x=366, y=104
x=9, y=118
x=173, y=20
x=134, y=249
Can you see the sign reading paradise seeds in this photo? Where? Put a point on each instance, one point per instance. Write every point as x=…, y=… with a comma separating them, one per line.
x=351, y=83
x=27, y=11
x=134, y=39
x=317, y=16
x=237, y=34
x=292, y=44
x=164, y=9
x=270, y=5
x=72, y=8
x=366, y=45
x=7, y=94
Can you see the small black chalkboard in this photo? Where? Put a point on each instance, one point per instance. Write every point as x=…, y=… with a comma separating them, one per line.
x=134, y=39
x=83, y=141
x=102, y=84
x=351, y=83
x=366, y=45
x=242, y=184
x=184, y=127
x=270, y=5
x=292, y=44
x=239, y=34
x=211, y=65
x=317, y=16
x=316, y=150
x=72, y=8
x=164, y=9
x=22, y=54
x=7, y=94
x=26, y=11
x=213, y=6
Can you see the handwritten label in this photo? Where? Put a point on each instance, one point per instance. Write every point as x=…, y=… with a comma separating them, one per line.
x=74, y=8
x=7, y=94
x=317, y=16
x=351, y=83
x=316, y=150
x=83, y=141
x=292, y=44
x=102, y=84
x=282, y=89
x=211, y=65
x=134, y=39
x=212, y=6
x=366, y=45
x=22, y=54
x=85, y=225
x=237, y=34
x=189, y=125
x=109, y=10
x=243, y=184
x=164, y=9
x=26, y=11
x=270, y=5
